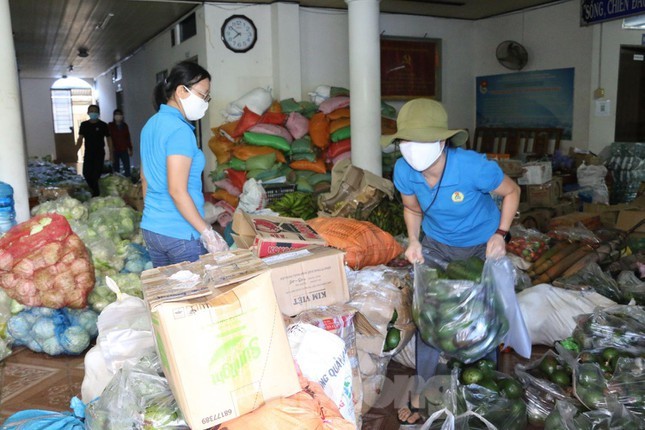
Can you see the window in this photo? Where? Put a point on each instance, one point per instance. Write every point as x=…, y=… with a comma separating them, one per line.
x=186, y=29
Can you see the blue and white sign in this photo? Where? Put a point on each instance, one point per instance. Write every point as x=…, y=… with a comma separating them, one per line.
x=595, y=11
x=539, y=99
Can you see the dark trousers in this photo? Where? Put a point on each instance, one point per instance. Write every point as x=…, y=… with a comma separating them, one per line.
x=122, y=157
x=92, y=169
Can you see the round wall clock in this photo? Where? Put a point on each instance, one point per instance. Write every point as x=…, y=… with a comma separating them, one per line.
x=239, y=33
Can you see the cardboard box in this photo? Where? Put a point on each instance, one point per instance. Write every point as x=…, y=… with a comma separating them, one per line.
x=536, y=173
x=220, y=336
x=272, y=235
x=589, y=219
x=512, y=168
x=628, y=219
x=543, y=196
x=537, y=219
x=563, y=207
x=308, y=278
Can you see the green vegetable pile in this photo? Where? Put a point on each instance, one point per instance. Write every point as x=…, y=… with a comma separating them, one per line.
x=295, y=205
x=115, y=185
x=388, y=216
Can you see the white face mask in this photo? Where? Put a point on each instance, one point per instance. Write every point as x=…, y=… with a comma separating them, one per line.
x=421, y=155
x=194, y=106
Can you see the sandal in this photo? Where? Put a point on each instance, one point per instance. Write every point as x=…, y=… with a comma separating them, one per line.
x=413, y=411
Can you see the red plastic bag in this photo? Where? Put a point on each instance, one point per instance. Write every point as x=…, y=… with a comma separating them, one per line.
x=248, y=120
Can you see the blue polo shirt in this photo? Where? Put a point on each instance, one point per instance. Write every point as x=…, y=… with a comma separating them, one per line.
x=464, y=213
x=168, y=133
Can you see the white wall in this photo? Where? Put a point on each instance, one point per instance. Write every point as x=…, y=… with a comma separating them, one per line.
x=553, y=40
x=37, y=117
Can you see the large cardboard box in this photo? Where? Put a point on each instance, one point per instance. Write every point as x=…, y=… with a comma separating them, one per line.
x=220, y=336
x=270, y=235
x=589, y=219
x=628, y=219
x=308, y=278
x=536, y=173
x=545, y=195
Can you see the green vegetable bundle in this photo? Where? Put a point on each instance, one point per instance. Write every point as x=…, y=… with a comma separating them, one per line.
x=295, y=205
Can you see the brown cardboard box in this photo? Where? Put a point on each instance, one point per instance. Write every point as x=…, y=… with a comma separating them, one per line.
x=563, y=207
x=628, y=219
x=220, y=336
x=512, y=168
x=272, y=235
x=537, y=219
x=545, y=195
x=307, y=278
x=588, y=219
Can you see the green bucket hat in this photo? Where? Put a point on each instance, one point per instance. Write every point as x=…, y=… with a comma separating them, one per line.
x=424, y=120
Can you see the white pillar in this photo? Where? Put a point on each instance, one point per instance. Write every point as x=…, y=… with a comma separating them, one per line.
x=365, y=83
x=13, y=163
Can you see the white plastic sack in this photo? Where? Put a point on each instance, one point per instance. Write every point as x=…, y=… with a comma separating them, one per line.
x=322, y=358
x=549, y=311
x=594, y=177
x=257, y=100
x=253, y=197
x=125, y=334
x=320, y=94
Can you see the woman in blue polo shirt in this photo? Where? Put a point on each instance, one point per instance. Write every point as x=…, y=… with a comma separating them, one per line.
x=171, y=170
x=446, y=193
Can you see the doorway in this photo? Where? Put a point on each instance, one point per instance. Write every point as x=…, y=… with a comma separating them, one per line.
x=630, y=103
x=70, y=99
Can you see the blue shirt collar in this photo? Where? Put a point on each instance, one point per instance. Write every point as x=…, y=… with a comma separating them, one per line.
x=164, y=108
x=450, y=174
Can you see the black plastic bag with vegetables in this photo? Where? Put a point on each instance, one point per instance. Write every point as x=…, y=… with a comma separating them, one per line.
x=467, y=319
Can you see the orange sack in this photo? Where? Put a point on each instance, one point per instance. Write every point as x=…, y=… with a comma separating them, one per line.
x=221, y=147
x=309, y=409
x=317, y=166
x=222, y=194
x=319, y=130
x=364, y=243
x=244, y=152
x=339, y=113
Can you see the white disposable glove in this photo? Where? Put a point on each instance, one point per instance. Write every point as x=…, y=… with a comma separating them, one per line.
x=213, y=241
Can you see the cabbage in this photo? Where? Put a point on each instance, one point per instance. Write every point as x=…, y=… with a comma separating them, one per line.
x=115, y=222
x=54, y=331
x=68, y=207
x=101, y=295
x=97, y=203
x=115, y=185
x=75, y=339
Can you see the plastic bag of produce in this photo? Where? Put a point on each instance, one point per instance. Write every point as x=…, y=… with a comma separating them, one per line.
x=124, y=335
x=124, y=221
x=468, y=319
x=97, y=203
x=102, y=295
x=631, y=286
x=527, y=243
x=43, y=263
x=620, y=326
x=567, y=416
x=383, y=295
x=136, y=397
x=34, y=419
x=592, y=276
x=68, y=207
x=545, y=381
x=496, y=397
x=321, y=357
x=5, y=314
x=53, y=331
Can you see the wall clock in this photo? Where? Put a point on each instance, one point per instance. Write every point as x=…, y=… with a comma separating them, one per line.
x=239, y=33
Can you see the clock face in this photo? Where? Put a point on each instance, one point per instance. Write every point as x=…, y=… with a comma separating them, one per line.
x=239, y=33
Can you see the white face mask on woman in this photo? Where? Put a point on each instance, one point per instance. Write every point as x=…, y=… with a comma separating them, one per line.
x=421, y=155
x=194, y=106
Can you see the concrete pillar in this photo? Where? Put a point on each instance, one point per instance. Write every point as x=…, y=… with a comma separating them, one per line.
x=13, y=160
x=365, y=83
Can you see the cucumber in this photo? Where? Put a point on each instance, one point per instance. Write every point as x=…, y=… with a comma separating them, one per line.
x=469, y=269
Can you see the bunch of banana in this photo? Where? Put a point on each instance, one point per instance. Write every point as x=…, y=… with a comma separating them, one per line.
x=295, y=205
x=388, y=216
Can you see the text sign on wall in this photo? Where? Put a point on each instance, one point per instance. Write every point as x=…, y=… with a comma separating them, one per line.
x=539, y=99
x=594, y=11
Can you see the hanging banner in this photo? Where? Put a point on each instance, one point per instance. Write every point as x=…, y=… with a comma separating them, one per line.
x=539, y=99
x=595, y=11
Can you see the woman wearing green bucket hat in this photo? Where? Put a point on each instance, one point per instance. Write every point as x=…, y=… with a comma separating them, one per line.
x=446, y=192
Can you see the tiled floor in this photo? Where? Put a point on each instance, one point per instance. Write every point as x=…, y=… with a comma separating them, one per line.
x=37, y=381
